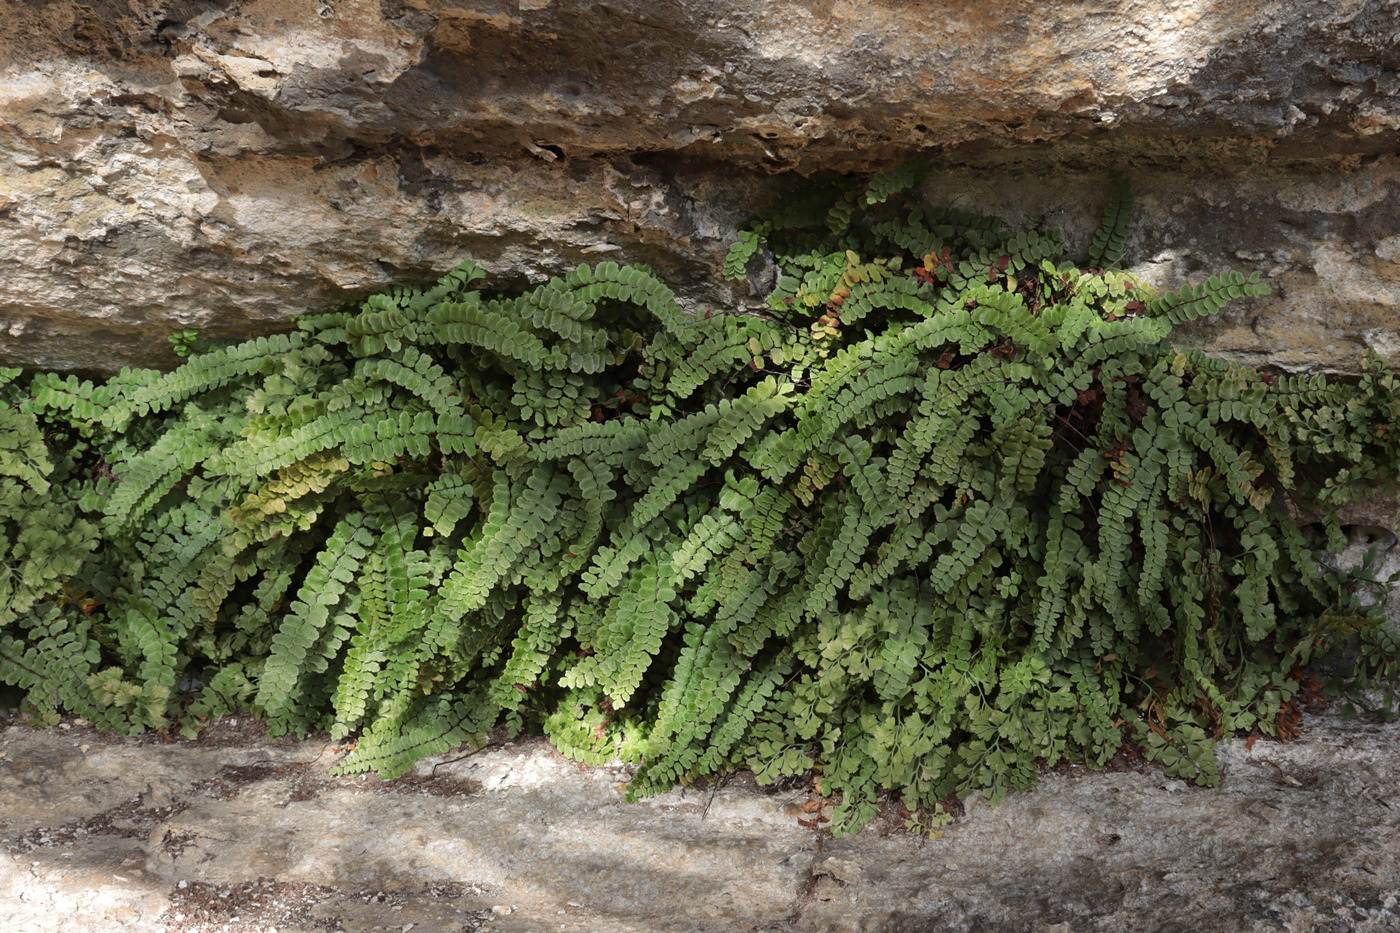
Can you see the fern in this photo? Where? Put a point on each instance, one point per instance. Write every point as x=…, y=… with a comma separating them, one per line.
x=311, y=614
x=429, y=728
x=745, y=247
x=1196, y=301
x=1107, y=246
x=947, y=511
x=892, y=181
x=635, y=625
x=201, y=374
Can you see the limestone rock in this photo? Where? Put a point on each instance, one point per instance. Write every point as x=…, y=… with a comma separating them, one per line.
x=253, y=835
x=224, y=165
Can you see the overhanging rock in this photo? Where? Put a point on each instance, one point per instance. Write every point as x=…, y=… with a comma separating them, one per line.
x=225, y=165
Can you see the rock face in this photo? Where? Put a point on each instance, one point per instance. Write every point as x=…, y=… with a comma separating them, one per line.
x=225, y=164
x=237, y=834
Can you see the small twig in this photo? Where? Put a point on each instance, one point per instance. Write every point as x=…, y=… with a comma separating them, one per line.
x=475, y=751
x=1284, y=776
x=713, y=791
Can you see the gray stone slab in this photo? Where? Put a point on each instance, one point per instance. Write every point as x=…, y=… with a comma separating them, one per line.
x=235, y=833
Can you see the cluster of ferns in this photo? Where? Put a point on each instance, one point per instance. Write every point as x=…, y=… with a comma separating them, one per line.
x=948, y=511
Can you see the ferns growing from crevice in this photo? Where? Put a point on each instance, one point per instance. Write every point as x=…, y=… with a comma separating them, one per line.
x=948, y=511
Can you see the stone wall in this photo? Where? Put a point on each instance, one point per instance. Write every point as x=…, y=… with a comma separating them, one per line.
x=225, y=164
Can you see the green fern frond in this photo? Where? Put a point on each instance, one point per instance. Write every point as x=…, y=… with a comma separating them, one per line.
x=1107, y=246
x=885, y=185
x=202, y=373
x=310, y=615
x=1196, y=301
x=431, y=727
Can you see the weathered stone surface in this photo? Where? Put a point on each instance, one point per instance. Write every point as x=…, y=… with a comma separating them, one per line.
x=244, y=836
x=786, y=82
x=223, y=165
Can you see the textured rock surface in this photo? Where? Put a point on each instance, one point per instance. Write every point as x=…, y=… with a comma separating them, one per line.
x=226, y=163
x=237, y=834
